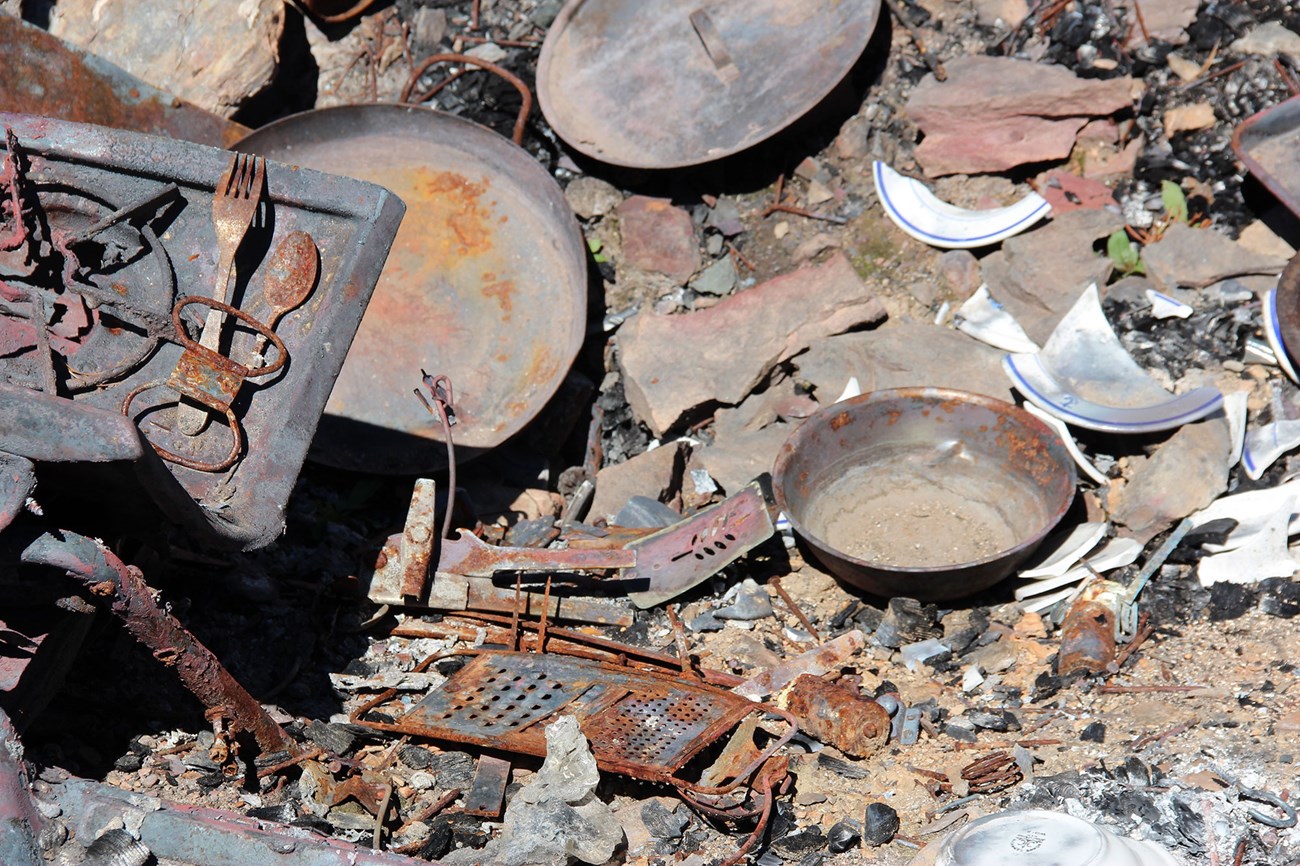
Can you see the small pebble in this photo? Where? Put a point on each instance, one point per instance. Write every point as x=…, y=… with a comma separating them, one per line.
x=1094, y=733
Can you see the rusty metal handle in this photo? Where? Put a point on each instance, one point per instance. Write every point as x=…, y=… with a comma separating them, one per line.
x=704, y=27
x=246, y=372
x=338, y=17
x=510, y=77
x=171, y=457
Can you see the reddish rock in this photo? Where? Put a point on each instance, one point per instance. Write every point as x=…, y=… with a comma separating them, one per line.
x=656, y=473
x=1066, y=192
x=658, y=237
x=675, y=364
x=994, y=113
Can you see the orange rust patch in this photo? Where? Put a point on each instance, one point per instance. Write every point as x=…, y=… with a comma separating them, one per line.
x=503, y=292
x=840, y=420
x=455, y=203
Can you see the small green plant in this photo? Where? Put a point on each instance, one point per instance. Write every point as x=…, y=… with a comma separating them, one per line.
x=1175, y=202
x=596, y=245
x=1124, y=253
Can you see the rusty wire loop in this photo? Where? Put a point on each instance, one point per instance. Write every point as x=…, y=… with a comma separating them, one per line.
x=524, y=110
x=444, y=409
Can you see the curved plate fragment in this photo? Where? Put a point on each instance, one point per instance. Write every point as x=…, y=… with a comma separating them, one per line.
x=1084, y=376
x=1273, y=332
x=924, y=216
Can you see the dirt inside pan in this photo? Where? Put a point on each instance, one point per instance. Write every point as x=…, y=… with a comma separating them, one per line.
x=486, y=283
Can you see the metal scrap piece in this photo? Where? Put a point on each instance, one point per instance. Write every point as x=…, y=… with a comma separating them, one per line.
x=170, y=642
x=643, y=724
x=488, y=790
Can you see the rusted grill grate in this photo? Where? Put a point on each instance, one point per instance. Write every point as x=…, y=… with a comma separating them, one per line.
x=651, y=730
x=640, y=723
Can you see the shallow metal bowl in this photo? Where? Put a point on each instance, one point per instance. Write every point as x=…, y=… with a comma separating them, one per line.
x=911, y=478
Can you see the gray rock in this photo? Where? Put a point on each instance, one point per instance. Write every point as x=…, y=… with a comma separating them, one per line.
x=556, y=818
x=904, y=355
x=717, y=279
x=591, y=197
x=1185, y=474
x=642, y=512
x=959, y=273
x=725, y=217
x=752, y=602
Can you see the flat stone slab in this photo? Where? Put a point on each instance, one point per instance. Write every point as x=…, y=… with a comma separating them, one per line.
x=217, y=54
x=994, y=113
x=675, y=365
x=904, y=355
x=1195, y=258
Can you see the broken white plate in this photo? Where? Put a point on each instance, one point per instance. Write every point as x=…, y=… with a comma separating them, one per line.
x=1264, y=557
x=1266, y=443
x=926, y=217
x=1117, y=553
x=1062, y=552
x=1038, y=605
x=987, y=321
x=1274, y=335
x=851, y=389
x=1165, y=307
x=1067, y=439
x=1252, y=511
x=1235, y=409
x=1084, y=376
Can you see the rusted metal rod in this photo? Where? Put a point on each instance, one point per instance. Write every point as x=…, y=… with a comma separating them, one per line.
x=108, y=578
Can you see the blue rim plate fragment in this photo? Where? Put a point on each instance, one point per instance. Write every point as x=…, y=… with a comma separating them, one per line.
x=1084, y=359
x=924, y=216
x=1273, y=333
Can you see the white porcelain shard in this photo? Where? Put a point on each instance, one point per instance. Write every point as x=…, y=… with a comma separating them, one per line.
x=1252, y=511
x=1038, y=605
x=1165, y=307
x=851, y=389
x=1084, y=376
x=1264, y=557
x=1274, y=335
x=1118, y=553
x=1235, y=409
x=988, y=321
x=926, y=217
x=1067, y=438
x=1061, y=552
x=1266, y=443
x=1259, y=352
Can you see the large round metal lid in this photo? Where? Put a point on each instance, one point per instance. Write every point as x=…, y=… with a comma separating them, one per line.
x=486, y=283
x=663, y=84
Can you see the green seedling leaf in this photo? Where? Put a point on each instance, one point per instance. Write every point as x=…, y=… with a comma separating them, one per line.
x=1175, y=202
x=596, y=245
x=1124, y=253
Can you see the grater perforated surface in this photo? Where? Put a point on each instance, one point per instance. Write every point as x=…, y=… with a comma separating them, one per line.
x=637, y=722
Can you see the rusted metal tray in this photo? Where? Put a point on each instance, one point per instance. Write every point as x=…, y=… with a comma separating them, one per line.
x=112, y=287
x=661, y=84
x=486, y=283
x=1269, y=144
x=44, y=75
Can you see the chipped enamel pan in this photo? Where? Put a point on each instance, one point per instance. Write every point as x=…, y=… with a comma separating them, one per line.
x=1273, y=333
x=1085, y=377
x=924, y=216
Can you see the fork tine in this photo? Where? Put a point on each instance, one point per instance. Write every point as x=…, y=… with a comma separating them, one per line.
x=241, y=188
x=228, y=179
x=259, y=174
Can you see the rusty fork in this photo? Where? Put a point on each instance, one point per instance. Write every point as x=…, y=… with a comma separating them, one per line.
x=234, y=204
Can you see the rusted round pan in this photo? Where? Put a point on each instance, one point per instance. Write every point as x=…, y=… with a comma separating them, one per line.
x=664, y=84
x=486, y=283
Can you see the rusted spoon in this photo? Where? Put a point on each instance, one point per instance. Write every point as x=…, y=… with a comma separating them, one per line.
x=290, y=278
